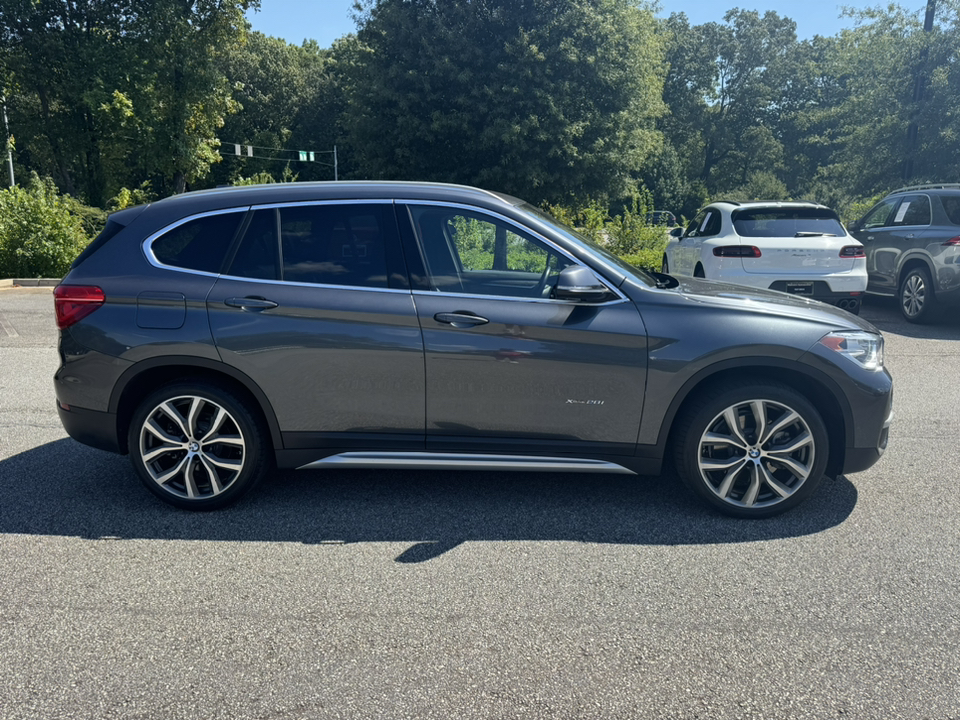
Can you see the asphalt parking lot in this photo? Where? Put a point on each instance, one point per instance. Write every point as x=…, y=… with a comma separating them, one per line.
x=388, y=594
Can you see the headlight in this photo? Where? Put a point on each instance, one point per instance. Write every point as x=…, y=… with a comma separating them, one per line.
x=865, y=349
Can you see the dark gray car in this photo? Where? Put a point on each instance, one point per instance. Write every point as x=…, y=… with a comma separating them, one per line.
x=218, y=334
x=912, y=242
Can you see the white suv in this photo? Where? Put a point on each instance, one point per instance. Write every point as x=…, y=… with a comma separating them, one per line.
x=795, y=247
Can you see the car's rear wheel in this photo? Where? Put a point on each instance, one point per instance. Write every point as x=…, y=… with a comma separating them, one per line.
x=918, y=304
x=753, y=450
x=197, y=445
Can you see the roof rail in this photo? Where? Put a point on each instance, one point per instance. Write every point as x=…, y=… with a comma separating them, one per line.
x=927, y=186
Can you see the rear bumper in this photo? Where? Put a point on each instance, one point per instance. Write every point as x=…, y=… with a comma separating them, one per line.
x=821, y=290
x=90, y=427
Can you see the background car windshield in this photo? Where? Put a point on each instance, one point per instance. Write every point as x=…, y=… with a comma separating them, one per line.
x=786, y=222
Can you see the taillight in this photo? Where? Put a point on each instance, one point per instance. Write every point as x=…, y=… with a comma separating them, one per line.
x=953, y=241
x=852, y=251
x=75, y=302
x=737, y=251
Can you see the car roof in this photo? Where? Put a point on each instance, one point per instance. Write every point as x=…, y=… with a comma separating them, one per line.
x=233, y=196
x=946, y=188
x=733, y=204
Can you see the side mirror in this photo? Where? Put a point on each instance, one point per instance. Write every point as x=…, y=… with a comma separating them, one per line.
x=580, y=284
x=677, y=232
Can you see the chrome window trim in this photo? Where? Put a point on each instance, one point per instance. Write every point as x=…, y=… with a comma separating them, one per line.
x=147, y=245
x=518, y=298
x=526, y=229
x=292, y=283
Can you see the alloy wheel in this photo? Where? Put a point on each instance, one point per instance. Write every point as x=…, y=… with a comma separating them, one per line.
x=756, y=453
x=914, y=295
x=192, y=447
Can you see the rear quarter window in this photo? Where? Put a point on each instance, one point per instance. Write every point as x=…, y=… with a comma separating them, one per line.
x=198, y=244
x=951, y=206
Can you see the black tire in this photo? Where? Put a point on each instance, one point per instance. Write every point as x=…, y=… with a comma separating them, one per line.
x=740, y=474
x=665, y=266
x=177, y=456
x=916, y=298
x=698, y=271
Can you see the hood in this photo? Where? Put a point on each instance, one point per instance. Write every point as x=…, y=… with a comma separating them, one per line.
x=728, y=295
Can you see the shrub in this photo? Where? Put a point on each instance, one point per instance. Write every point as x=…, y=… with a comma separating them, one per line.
x=40, y=232
x=128, y=198
x=626, y=235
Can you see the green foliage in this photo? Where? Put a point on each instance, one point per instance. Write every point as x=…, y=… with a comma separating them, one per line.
x=41, y=232
x=128, y=198
x=625, y=234
x=856, y=210
x=546, y=99
x=109, y=94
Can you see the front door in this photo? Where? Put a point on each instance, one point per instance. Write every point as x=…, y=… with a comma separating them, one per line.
x=507, y=365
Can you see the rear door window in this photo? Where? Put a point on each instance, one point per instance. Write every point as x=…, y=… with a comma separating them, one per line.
x=347, y=244
x=913, y=210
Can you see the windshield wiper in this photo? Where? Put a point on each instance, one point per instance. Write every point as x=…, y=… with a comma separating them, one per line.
x=814, y=234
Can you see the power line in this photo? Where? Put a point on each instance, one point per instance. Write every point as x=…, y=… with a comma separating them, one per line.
x=245, y=150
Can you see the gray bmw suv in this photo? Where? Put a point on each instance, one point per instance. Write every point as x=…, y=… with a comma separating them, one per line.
x=216, y=335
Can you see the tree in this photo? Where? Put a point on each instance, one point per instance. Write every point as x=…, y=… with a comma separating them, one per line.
x=289, y=99
x=723, y=90
x=548, y=99
x=110, y=93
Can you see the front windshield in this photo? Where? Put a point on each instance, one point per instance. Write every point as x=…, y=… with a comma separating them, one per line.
x=600, y=252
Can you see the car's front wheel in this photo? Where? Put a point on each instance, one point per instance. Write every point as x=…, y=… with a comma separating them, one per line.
x=752, y=450
x=197, y=445
x=918, y=304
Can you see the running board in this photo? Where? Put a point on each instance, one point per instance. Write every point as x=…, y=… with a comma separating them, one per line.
x=464, y=461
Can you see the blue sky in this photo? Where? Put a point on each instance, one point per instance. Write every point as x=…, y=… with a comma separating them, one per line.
x=326, y=20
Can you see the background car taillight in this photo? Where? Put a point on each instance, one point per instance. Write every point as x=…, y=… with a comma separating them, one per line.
x=737, y=251
x=953, y=241
x=75, y=302
x=852, y=251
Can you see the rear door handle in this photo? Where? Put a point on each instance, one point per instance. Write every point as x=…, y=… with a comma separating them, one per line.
x=250, y=303
x=460, y=319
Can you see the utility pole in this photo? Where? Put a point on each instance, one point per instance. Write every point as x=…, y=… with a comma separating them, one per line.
x=335, y=175
x=6, y=126
x=919, y=85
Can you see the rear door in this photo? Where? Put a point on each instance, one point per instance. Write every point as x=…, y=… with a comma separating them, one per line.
x=506, y=365
x=316, y=310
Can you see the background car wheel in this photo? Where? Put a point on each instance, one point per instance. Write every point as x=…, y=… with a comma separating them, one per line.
x=917, y=302
x=665, y=266
x=197, y=446
x=698, y=271
x=752, y=451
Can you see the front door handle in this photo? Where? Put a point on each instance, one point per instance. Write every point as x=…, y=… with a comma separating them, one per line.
x=460, y=319
x=250, y=303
